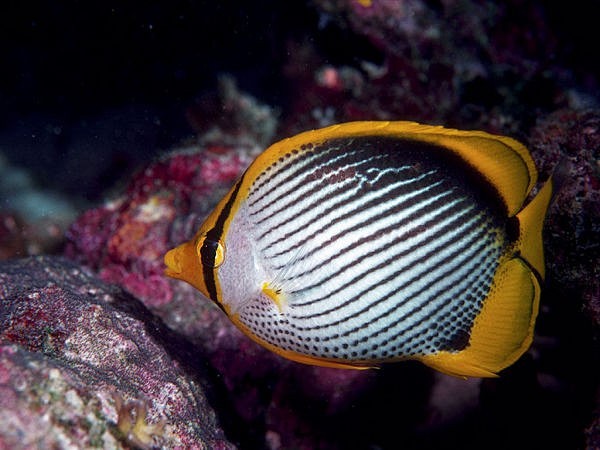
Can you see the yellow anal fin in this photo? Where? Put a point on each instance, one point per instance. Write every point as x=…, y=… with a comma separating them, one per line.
x=531, y=222
x=502, y=331
x=323, y=362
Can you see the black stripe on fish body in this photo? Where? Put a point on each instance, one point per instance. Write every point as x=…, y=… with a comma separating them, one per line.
x=388, y=337
x=387, y=152
x=392, y=309
x=296, y=154
x=282, y=173
x=358, y=226
x=385, y=263
x=374, y=251
x=285, y=199
x=431, y=207
x=331, y=162
x=340, y=205
x=419, y=152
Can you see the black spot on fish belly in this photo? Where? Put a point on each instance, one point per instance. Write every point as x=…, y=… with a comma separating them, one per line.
x=458, y=341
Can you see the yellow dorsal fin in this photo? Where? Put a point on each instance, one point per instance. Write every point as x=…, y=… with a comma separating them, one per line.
x=502, y=331
x=531, y=222
x=504, y=162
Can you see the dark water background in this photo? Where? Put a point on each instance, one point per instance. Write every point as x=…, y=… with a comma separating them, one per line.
x=91, y=89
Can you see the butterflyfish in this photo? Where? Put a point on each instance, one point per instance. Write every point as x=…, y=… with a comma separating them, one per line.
x=370, y=242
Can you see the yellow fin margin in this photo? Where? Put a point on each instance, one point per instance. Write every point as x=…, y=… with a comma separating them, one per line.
x=504, y=162
x=304, y=359
x=502, y=331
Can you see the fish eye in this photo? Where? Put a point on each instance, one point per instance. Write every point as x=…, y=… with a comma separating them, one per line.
x=211, y=251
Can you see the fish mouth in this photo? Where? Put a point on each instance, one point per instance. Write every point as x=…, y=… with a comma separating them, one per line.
x=173, y=262
x=183, y=263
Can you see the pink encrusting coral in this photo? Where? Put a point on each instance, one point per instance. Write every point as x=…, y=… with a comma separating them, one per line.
x=126, y=238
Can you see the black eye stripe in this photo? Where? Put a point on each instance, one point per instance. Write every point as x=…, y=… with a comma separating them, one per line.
x=208, y=251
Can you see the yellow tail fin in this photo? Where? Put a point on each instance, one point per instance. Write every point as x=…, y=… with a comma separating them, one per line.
x=531, y=222
x=503, y=330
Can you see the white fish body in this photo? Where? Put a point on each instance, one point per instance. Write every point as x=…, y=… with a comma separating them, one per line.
x=372, y=242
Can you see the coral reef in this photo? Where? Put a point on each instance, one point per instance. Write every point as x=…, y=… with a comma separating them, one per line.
x=566, y=144
x=72, y=349
x=456, y=63
x=126, y=238
x=131, y=363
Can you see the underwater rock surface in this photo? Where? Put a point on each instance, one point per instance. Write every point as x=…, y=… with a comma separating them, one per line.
x=572, y=138
x=85, y=365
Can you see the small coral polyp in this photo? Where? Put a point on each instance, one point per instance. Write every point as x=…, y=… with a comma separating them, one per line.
x=132, y=425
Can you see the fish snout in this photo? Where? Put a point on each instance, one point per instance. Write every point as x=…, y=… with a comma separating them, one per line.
x=173, y=262
x=182, y=262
